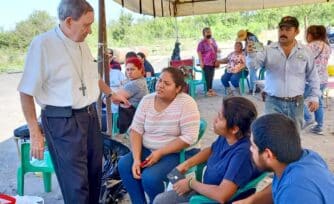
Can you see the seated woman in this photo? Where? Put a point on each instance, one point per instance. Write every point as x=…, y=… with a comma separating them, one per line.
x=134, y=90
x=165, y=122
x=235, y=63
x=229, y=160
x=149, y=71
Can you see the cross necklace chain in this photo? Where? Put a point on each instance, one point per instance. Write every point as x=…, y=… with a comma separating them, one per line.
x=79, y=71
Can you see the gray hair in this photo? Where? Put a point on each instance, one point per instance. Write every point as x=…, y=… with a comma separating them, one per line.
x=73, y=8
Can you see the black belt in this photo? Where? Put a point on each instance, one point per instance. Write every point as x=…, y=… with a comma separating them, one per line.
x=88, y=109
x=56, y=111
x=288, y=99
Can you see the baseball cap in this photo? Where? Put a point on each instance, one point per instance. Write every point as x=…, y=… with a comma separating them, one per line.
x=289, y=21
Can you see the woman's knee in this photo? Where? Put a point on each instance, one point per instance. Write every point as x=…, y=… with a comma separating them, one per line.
x=125, y=163
x=163, y=198
x=224, y=79
x=235, y=81
x=152, y=181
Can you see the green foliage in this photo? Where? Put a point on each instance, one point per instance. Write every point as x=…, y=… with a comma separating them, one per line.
x=14, y=44
x=159, y=34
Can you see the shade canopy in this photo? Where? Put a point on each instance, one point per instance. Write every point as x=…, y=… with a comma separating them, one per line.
x=196, y=7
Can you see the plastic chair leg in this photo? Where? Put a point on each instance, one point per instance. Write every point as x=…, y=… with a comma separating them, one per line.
x=115, y=129
x=20, y=181
x=47, y=181
x=192, y=90
x=242, y=86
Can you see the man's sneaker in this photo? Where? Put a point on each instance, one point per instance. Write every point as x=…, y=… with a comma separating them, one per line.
x=307, y=124
x=317, y=130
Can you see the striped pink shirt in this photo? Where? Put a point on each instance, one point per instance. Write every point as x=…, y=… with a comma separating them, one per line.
x=179, y=120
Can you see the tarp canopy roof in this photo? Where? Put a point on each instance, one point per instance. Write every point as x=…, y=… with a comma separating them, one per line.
x=197, y=7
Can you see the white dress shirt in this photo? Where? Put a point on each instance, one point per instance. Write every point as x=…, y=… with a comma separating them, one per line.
x=54, y=68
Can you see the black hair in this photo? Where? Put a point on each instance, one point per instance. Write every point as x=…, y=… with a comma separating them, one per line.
x=177, y=76
x=130, y=55
x=318, y=32
x=205, y=29
x=142, y=55
x=240, y=112
x=279, y=134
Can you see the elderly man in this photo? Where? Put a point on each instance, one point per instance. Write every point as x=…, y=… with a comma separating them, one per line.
x=61, y=76
x=300, y=175
x=289, y=65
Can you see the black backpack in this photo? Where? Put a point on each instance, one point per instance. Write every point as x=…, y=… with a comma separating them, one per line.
x=112, y=189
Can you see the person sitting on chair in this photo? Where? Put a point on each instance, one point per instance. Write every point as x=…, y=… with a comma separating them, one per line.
x=235, y=64
x=134, y=90
x=229, y=160
x=149, y=71
x=166, y=122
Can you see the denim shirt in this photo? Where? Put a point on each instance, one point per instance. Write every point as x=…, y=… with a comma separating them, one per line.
x=286, y=76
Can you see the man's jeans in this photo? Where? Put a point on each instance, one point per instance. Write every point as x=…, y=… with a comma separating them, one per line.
x=293, y=109
x=318, y=114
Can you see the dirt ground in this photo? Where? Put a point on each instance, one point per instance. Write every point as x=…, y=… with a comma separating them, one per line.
x=11, y=117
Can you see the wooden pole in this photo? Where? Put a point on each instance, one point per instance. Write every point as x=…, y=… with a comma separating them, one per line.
x=103, y=62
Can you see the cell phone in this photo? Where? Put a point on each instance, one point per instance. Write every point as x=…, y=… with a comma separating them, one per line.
x=143, y=163
x=174, y=176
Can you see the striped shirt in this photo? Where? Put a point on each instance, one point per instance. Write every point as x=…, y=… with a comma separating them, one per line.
x=179, y=120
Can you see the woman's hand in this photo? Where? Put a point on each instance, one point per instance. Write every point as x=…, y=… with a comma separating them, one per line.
x=183, y=167
x=181, y=187
x=121, y=99
x=153, y=158
x=237, y=68
x=136, y=171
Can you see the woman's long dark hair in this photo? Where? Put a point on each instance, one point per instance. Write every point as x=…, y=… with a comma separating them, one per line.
x=318, y=32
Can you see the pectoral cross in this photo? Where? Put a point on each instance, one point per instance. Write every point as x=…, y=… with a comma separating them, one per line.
x=83, y=89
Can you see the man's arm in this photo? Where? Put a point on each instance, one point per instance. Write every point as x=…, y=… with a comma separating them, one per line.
x=255, y=59
x=262, y=197
x=36, y=137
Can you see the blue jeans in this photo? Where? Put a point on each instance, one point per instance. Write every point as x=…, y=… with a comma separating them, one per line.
x=152, y=178
x=293, y=110
x=234, y=78
x=318, y=114
x=252, y=77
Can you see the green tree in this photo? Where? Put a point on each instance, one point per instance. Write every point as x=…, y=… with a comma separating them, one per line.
x=38, y=22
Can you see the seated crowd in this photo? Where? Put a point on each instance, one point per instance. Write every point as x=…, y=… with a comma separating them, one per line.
x=233, y=159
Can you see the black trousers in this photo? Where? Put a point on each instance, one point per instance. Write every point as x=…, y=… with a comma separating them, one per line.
x=75, y=145
x=209, y=72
